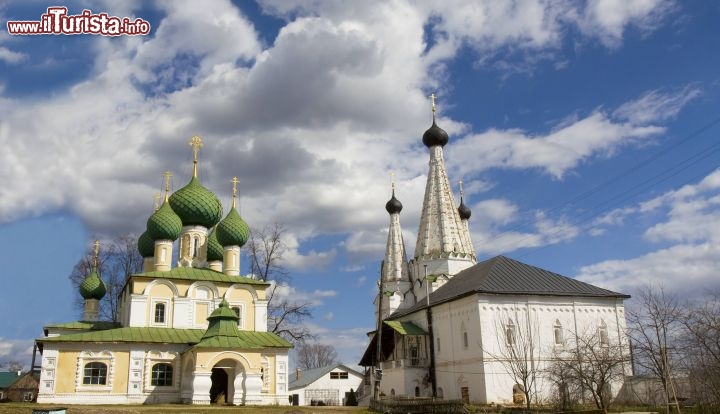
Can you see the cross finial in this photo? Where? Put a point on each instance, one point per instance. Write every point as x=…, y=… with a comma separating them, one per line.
x=167, y=175
x=461, y=189
x=234, y=182
x=196, y=143
x=157, y=201
x=432, y=99
x=96, y=252
x=392, y=180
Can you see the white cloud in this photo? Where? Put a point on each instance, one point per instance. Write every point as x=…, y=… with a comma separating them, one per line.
x=689, y=224
x=10, y=57
x=560, y=150
x=315, y=298
x=656, y=105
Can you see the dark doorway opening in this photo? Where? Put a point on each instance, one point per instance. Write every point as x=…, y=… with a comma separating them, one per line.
x=219, y=387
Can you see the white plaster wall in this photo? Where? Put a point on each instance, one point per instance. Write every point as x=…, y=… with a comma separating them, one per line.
x=354, y=381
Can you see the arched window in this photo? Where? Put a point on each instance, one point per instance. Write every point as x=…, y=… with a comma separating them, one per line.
x=95, y=373
x=440, y=393
x=417, y=391
x=463, y=329
x=603, y=332
x=392, y=392
x=238, y=312
x=196, y=246
x=557, y=331
x=159, y=313
x=162, y=375
x=510, y=332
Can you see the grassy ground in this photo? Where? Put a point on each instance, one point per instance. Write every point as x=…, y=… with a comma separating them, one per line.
x=27, y=408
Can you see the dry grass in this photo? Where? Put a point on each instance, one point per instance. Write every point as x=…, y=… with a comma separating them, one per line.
x=27, y=408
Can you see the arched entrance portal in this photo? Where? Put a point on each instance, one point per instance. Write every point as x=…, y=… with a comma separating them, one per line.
x=227, y=382
x=219, y=388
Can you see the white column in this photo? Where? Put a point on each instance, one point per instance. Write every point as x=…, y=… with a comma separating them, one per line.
x=239, y=394
x=260, y=316
x=253, y=389
x=138, y=309
x=201, y=388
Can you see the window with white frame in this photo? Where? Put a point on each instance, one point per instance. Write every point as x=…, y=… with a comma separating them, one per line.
x=28, y=396
x=161, y=375
x=239, y=310
x=160, y=313
x=339, y=375
x=95, y=373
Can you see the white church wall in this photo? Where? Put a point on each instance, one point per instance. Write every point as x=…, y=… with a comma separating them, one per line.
x=334, y=386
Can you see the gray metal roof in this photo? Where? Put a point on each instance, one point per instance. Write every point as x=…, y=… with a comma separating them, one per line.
x=312, y=375
x=504, y=276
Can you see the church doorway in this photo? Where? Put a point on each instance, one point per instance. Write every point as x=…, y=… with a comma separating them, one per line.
x=226, y=378
x=219, y=387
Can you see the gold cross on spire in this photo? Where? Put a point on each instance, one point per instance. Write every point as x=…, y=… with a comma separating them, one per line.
x=167, y=175
x=461, y=189
x=432, y=99
x=196, y=143
x=157, y=201
x=234, y=182
x=96, y=246
x=392, y=180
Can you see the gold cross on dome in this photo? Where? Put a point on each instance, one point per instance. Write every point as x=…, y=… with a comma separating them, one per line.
x=392, y=179
x=432, y=99
x=157, y=201
x=196, y=143
x=234, y=182
x=167, y=175
x=461, y=189
x=96, y=246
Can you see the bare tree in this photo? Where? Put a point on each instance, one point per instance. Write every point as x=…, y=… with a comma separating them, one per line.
x=118, y=259
x=314, y=355
x=517, y=352
x=653, y=325
x=285, y=314
x=12, y=365
x=593, y=363
x=702, y=350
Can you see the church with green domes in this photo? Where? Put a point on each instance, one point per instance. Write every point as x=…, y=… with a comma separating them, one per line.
x=191, y=329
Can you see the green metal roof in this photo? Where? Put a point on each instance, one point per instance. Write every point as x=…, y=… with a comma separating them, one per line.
x=92, y=287
x=196, y=205
x=7, y=378
x=245, y=339
x=195, y=274
x=233, y=230
x=85, y=325
x=406, y=328
x=133, y=334
x=164, y=224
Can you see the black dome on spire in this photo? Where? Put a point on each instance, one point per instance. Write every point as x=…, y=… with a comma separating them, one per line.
x=393, y=205
x=435, y=136
x=464, y=210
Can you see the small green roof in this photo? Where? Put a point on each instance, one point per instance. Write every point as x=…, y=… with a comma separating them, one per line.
x=197, y=274
x=406, y=328
x=7, y=378
x=92, y=287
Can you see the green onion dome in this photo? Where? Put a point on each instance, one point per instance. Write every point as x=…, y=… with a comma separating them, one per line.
x=196, y=205
x=214, y=248
x=146, y=245
x=92, y=287
x=164, y=224
x=232, y=230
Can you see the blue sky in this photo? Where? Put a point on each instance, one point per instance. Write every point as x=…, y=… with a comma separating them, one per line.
x=586, y=133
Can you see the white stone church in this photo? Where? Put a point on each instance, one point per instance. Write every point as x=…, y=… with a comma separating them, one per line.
x=474, y=309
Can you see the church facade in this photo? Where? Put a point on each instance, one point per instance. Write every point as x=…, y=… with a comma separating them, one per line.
x=192, y=331
x=446, y=322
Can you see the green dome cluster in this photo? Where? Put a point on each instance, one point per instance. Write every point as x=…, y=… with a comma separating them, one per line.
x=196, y=205
x=164, y=224
x=214, y=248
x=146, y=245
x=92, y=287
x=232, y=230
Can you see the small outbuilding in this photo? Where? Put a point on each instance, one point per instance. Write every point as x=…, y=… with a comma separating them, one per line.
x=328, y=385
